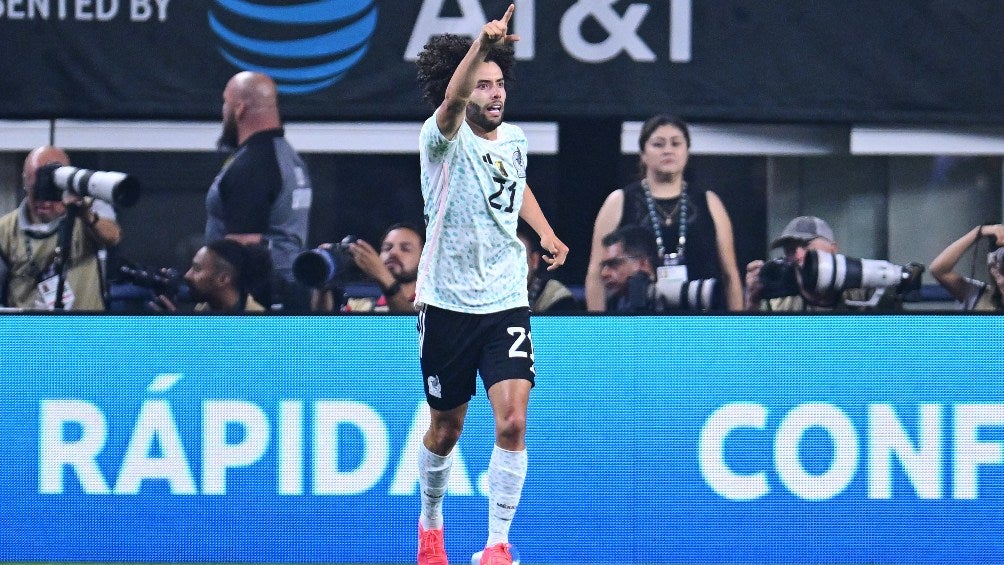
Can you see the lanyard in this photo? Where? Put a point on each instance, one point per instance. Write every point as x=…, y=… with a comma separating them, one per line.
x=671, y=258
x=29, y=250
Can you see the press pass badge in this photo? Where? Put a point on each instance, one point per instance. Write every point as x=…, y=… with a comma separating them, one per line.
x=672, y=273
x=673, y=269
x=47, y=290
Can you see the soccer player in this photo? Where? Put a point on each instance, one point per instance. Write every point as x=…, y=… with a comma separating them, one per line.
x=472, y=295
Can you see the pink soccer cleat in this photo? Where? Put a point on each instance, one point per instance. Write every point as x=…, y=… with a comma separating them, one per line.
x=497, y=554
x=431, y=550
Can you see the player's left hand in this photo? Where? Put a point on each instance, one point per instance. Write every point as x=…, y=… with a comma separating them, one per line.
x=497, y=31
x=556, y=250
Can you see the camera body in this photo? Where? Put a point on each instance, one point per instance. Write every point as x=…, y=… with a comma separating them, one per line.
x=779, y=278
x=167, y=282
x=52, y=180
x=324, y=267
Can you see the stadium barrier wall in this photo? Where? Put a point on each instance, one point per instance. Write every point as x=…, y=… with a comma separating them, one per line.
x=697, y=439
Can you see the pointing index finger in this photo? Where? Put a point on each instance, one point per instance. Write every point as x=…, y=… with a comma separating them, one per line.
x=508, y=14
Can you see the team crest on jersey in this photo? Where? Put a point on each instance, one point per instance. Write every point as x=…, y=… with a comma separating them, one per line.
x=517, y=159
x=435, y=389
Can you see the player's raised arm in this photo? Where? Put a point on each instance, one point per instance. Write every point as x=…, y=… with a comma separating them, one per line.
x=458, y=91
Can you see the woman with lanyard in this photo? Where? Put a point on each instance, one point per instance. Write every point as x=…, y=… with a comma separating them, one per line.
x=691, y=227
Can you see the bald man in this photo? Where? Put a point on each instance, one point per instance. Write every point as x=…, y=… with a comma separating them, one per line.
x=29, y=236
x=263, y=193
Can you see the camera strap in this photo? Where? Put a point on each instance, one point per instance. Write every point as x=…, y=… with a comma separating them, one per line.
x=63, y=252
x=36, y=262
x=671, y=258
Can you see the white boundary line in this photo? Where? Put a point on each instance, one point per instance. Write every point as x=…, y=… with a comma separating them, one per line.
x=401, y=137
x=306, y=137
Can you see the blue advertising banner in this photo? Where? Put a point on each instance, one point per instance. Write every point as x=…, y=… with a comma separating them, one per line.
x=696, y=439
x=730, y=60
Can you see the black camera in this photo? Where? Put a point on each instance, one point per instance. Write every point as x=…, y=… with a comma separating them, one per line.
x=168, y=282
x=778, y=278
x=53, y=179
x=665, y=295
x=325, y=266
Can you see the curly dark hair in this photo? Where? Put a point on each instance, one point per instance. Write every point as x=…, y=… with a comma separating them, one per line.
x=441, y=56
x=249, y=265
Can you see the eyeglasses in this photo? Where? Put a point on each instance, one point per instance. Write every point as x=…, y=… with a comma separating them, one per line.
x=614, y=262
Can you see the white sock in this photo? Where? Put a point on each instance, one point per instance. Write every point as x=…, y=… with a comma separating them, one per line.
x=506, y=473
x=433, y=477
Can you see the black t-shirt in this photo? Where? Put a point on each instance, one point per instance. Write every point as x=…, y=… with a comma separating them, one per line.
x=251, y=184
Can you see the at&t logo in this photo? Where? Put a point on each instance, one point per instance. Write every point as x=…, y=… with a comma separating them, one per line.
x=304, y=46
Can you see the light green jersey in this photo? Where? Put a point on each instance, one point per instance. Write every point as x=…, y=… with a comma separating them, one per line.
x=473, y=189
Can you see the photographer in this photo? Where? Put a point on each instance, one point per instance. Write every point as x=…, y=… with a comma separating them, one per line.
x=394, y=269
x=222, y=274
x=801, y=236
x=628, y=259
x=634, y=285
x=973, y=294
x=31, y=257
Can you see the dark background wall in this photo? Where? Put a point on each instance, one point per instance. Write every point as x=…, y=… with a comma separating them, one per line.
x=856, y=61
x=361, y=194
x=749, y=62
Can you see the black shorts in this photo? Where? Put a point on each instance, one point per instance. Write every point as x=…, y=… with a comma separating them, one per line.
x=454, y=347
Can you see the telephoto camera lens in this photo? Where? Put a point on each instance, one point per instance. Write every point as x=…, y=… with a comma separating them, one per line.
x=315, y=268
x=168, y=282
x=824, y=273
x=113, y=187
x=699, y=295
x=324, y=266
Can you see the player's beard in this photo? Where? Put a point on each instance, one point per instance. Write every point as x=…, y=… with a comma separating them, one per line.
x=476, y=116
x=228, y=139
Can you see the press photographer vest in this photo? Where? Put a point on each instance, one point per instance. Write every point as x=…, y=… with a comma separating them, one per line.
x=82, y=275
